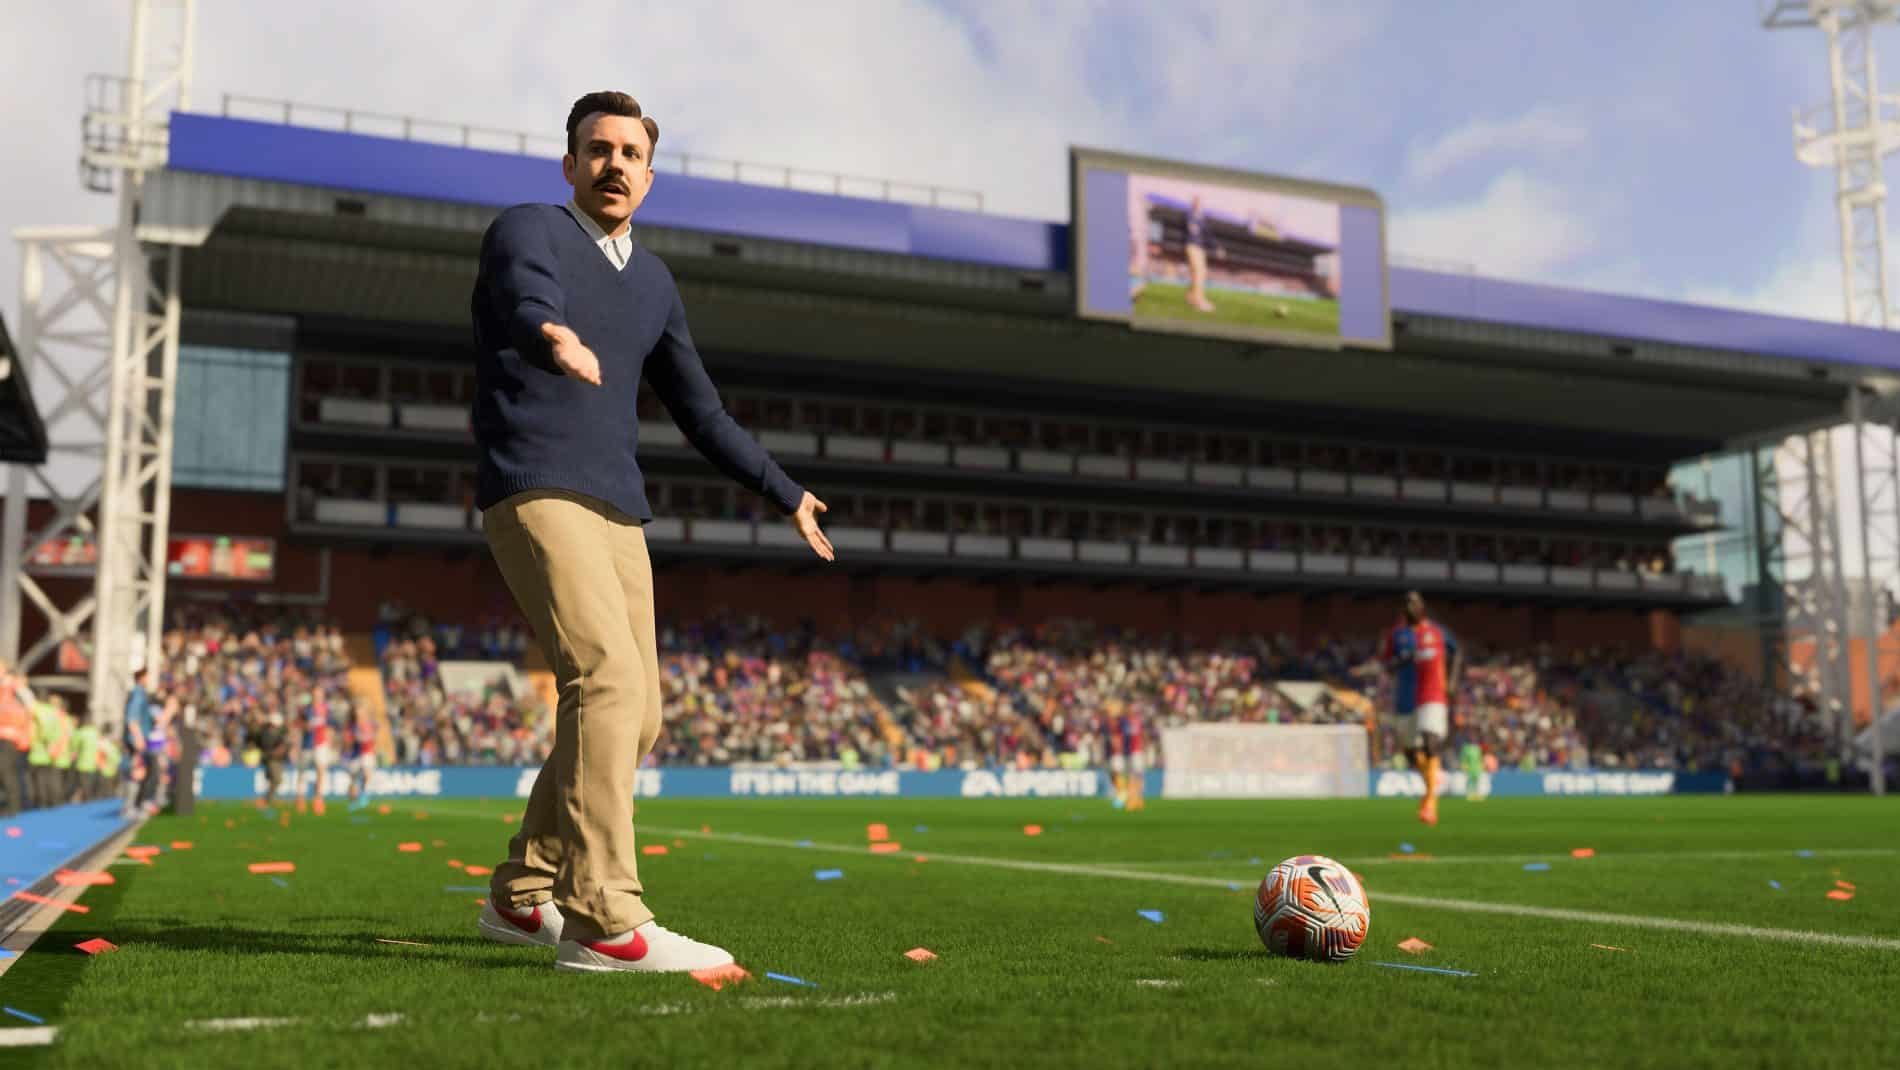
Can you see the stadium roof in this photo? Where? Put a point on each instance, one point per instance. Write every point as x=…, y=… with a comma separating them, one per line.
x=22, y=434
x=307, y=156
x=328, y=225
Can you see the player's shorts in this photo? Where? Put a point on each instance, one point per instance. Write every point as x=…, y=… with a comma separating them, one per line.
x=1432, y=719
x=1128, y=763
x=323, y=755
x=362, y=763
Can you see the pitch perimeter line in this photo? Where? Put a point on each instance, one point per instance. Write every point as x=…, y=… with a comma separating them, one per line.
x=1640, y=921
x=1426, y=858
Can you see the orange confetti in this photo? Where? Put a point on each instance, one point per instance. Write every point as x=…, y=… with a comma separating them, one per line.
x=45, y=902
x=409, y=848
x=141, y=851
x=703, y=829
x=877, y=832
x=653, y=849
x=1032, y=830
x=1414, y=945
x=273, y=867
x=98, y=945
x=1844, y=884
x=229, y=823
x=509, y=819
x=14, y=831
x=920, y=954
x=1103, y=940
x=421, y=816
x=477, y=871
x=383, y=809
x=68, y=878
x=1584, y=852
x=1840, y=895
x=181, y=845
x=455, y=863
x=719, y=977
x=886, y=848
x=920, y=858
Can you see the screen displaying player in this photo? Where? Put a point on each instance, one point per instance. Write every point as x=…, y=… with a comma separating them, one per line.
x=1214, y=252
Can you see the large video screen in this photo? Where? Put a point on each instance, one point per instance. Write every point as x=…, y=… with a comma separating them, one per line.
x=1168, y=246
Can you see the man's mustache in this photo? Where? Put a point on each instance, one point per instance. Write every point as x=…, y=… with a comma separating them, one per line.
x=612, y=182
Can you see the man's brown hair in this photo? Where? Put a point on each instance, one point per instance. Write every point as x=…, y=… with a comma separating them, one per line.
x=611, y=103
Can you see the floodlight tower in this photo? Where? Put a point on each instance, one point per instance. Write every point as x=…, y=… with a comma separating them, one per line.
x=1853, y=133
x=107, y=341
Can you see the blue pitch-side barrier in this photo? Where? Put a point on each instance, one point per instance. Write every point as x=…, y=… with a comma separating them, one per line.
x=471, y=782
x=51, y=838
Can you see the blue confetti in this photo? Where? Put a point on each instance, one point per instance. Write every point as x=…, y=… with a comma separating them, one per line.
x=791, y=980
x=34, y=1018
x=1425, y=969
x=1232, y=887
x=804, y=843
x=1407, y=848
x=923, y=828
x=359, y=820
x=280, y=882
x=1152, y=915
x=1536, y=867
x=1804, y=854
x=463, y=888
x=1253, y=861
x=829, y=874
x=1776, y=885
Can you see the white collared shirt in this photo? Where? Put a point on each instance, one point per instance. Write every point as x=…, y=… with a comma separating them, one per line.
x=616, y=250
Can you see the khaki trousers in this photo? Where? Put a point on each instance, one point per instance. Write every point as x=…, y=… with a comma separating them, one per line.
x=579, y=570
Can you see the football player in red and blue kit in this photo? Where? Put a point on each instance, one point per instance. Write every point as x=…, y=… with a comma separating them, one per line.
x=1425, y=660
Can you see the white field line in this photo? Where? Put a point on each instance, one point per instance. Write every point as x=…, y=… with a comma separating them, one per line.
x=28, y=1036
x=42, y=1035
x=1639, y=921
x=1427, y=859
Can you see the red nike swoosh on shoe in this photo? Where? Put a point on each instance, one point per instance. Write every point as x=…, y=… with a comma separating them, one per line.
x=529, y=922
x=632, y=951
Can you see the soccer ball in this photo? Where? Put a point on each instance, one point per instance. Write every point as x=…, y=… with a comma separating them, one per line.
x=1311, y=907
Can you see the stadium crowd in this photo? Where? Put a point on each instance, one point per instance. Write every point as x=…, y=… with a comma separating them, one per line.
x=244, y=683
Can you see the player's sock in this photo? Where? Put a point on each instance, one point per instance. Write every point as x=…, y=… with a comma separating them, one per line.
x=1431, y=779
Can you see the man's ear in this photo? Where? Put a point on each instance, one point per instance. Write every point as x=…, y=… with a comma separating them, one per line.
x=567, y=167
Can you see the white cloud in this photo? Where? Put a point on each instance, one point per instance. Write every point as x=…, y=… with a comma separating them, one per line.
x=887, y=88
x=1807, y=285
x=1535, y=133
x=1518, y=227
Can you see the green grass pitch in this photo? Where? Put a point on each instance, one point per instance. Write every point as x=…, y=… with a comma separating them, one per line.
x=1038, y=966
x=1168, y=301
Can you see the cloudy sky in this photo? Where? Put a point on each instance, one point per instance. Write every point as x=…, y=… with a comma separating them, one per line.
x=1621, y=145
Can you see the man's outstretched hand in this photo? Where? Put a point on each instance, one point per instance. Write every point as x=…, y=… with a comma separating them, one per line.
x=805, y=519
x=571, y=354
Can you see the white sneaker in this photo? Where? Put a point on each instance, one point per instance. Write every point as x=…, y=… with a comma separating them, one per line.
x=540, y=925
x=650, y=948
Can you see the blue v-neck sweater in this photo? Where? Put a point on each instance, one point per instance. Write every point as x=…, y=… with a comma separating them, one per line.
x=539, y=428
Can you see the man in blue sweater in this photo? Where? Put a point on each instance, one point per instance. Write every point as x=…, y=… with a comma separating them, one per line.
x=569, y=314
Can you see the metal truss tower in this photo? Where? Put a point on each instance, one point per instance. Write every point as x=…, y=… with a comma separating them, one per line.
x=1852, y=133
x=105, y=338
x=1824, y=599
